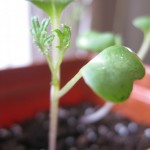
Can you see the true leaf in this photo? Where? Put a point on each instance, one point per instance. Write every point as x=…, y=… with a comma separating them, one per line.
x=112, y=72
x=64, y=37
x=40, y=34
x=96, y=42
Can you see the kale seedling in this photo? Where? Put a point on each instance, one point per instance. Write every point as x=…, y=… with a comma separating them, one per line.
x=110, y=74
x=96, y=42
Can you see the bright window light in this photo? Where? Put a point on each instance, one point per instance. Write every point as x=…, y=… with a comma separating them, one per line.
x=14, y=34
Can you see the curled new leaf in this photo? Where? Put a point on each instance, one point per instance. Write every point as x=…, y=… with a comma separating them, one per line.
x=111, y=73
x=40, y=35
x=143, y=23
x=48, y=6
x=64, y=37
x=96, y=42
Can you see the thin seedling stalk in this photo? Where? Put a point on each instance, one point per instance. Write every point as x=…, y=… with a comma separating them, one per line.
x=99, y=114
x=144, y=47
x=55, y=86
x=69, y=85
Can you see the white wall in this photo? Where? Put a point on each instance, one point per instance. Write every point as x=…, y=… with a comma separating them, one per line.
x=14, y=34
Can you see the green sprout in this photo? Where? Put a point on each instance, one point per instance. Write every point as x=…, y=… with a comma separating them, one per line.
x=110, y=74
x=142, y=23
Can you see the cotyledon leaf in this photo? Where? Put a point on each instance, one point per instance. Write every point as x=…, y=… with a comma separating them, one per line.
x=143, y=23
x=112, y=72
x=95, y=42
x=49, y=6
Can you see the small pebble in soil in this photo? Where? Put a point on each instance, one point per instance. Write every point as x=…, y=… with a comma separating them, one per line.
x=132, y=127
x=91, y=136
x=71, y=121
x=121, y=129
x=63, y=114
x=80, y=128
x=16, y=130
x=4, y=133
x=147, y=133
x=102, y=130
x=82, y=140
x=70, y=141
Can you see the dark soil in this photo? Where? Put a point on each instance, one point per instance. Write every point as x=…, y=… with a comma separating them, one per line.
x=114, y=132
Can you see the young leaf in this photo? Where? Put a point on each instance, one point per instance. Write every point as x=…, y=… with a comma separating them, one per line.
x=96, y=42
x=40, y=35
x=143, y=23
x=51, y=6
x=112, y=72
x=64, y=37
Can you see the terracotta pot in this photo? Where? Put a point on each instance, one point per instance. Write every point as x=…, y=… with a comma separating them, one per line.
x=25, y=91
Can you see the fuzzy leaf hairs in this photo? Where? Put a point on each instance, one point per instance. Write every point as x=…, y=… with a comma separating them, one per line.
x=40, y=35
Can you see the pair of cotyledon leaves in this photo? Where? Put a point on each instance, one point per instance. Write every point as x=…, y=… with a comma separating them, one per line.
x=112, y=72
x=49, y=6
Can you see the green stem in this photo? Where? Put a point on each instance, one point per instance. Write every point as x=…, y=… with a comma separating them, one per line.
x=49, y=62
x=144, y=47
x=61, y=56
x=69, y=85
x=55, y=86
x=53, y=117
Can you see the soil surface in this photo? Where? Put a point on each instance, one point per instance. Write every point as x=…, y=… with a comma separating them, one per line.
x=114, y=132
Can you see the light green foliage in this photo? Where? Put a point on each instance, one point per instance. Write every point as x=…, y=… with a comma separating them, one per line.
x=111, y=73
x=64, y=37
x=143, y=23
x=40, y=35
x=51, y=6
x=96, y=42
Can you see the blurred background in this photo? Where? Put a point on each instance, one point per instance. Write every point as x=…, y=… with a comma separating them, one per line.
x=17, y=48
